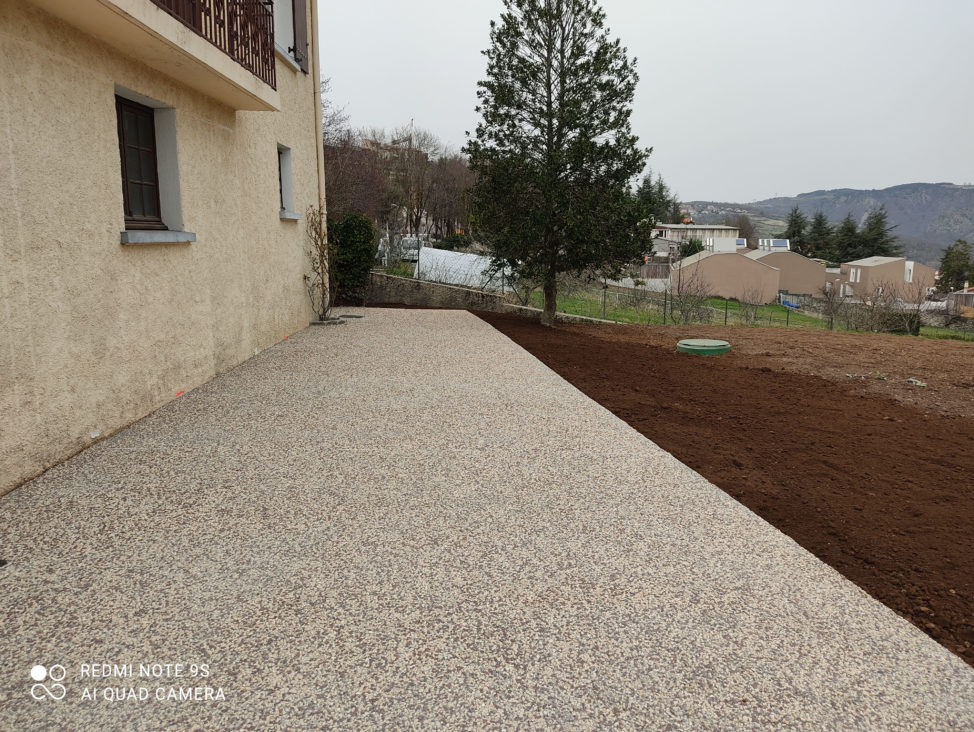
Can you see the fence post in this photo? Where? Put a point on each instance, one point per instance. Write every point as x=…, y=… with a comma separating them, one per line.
x=665, y=293
x=725, y=311
x=787, y=317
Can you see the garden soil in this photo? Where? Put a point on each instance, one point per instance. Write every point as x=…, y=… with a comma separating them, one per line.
x=819, y=433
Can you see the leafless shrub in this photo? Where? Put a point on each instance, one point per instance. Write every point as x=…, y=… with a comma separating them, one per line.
x=832, y=303
x=522, y=288
x=320, y=282
x=690, y=292
x=749, y=303
x=891, y=308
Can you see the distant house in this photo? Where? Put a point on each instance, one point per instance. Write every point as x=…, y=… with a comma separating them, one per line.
x=667, y=238
x=774, y=245
x=799, y=275
x=725, y=244
x=683, y=232
x=727, y=274
x=863, y=278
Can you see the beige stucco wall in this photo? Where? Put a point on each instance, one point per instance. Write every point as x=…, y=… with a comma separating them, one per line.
x=924, y=277
x=733, y=276
x=799, y=275
x=94, y=334
x=890, y=275
x=881, y=274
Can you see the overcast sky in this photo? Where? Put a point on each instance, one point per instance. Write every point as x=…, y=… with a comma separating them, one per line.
x=741, y=99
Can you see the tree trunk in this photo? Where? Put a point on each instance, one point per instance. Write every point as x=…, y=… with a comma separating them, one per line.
x=550, y=296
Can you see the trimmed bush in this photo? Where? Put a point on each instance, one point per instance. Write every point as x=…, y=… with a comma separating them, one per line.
x=353, y=239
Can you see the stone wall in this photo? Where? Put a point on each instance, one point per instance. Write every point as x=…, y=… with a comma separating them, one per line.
x=391, y=290
x=385, y=289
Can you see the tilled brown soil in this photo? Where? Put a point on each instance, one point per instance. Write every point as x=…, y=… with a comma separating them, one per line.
x=873, y=476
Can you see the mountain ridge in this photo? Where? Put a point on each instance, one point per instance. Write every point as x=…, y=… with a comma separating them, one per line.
x=928, y=216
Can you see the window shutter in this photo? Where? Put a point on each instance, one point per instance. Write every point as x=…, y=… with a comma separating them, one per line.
x=301, y=34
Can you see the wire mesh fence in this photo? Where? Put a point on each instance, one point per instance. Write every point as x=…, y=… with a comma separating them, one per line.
x=654, y=306
x=664, y=308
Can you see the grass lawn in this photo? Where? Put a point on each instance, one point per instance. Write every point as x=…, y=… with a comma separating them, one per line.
x=623, y=307
x=627, y=308
x=946, y=334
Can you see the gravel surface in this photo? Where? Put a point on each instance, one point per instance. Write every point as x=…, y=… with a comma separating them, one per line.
x=877, y=489
x=408, y=521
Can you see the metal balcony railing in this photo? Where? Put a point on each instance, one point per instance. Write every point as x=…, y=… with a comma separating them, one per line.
x=242, y=29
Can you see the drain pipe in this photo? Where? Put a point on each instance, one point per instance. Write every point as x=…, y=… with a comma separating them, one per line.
x=316, y=70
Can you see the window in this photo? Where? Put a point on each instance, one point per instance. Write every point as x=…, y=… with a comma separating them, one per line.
x=140, y=179
x=285, y=183
x=149, y=170
x=291, y=30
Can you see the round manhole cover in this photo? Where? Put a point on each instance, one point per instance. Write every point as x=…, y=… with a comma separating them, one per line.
x=703, y=346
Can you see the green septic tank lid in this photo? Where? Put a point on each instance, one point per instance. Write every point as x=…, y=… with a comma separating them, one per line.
x=703, y=346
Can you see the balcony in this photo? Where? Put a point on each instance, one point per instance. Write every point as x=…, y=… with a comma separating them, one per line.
x=242, y=29
x=221, y=48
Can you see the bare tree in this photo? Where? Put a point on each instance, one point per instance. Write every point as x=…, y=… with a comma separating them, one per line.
x=334, y=119
x=745, y=228
x=404, y=179
x=321, y=281
x=892, y=308
x=449, y=204
x=690, y=292
x=909, y=300
x=749, y=303
x=411, y=155
x=355, y=181
x=832, y=301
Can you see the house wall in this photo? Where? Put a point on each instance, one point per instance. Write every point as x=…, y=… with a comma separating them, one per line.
x=95, y=334
x=799, y=275
x=698, y=231
x=924, y=277
x=878, y=275
x=733, y=276
x=890, y=274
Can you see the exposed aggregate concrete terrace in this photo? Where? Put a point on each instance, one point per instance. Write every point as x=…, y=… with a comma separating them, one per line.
x=407, y=521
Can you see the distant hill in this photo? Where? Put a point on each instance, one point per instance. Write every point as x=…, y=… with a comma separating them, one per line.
x=929, y=216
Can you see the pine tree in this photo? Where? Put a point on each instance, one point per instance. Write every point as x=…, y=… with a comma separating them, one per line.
x=956, y=267
x=660, y=202
x=818, y=241
x=845, y=241
x=876, y=236
x=795, y=226
x=554, y=150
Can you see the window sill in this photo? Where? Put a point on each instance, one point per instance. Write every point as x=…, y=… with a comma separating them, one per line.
x=290, y=216
x=286, y=57
x=134, y=236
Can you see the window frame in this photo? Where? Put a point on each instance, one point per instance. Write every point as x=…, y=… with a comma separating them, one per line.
x=138, y=221
x=291, y=32
x=285, y=183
